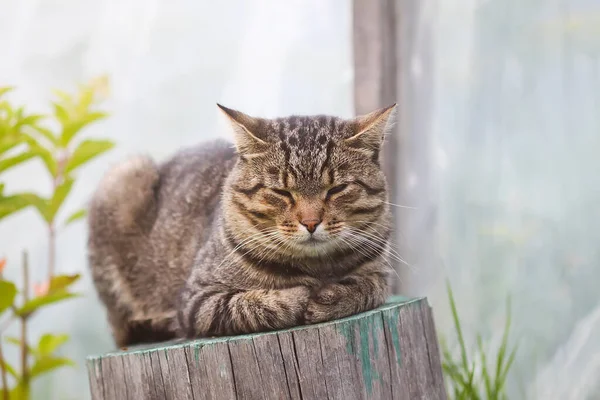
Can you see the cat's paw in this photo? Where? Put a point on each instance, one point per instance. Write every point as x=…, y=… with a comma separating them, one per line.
x=297, y=294
x=328, y=295
x=324, y=305
x=296, y=299
x=316, y=312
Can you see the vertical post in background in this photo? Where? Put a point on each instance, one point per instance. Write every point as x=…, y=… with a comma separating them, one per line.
x=375, y=82
x=393, y=62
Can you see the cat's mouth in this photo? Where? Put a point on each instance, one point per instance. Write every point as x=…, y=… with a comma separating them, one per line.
x=313, y=240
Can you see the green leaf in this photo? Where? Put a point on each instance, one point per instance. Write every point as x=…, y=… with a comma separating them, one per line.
x=76, y=216
x=63, y=96
x=10, y=162
x=13, y=340
x=42, y=301
x=20, y=392
x=61, y=113
x=10, y=369
x=57, y=291
x=503, y=346
x=71, y=128
x=9, y=141
x=8, y=291
x=49, y=343
x=29, y=120
x=5, y=89
x=86, y=98
x=60, y=282
x=461, y=340
x=17, y=342
x=44, y=153
x=46, y=133
x=47, y=364
x=87, y=150
x=11, y=204
x=59, y=196
x=484, y=370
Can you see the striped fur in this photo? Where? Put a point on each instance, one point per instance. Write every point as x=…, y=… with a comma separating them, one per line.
x=217, y=242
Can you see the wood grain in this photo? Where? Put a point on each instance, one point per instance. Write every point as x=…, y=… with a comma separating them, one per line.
x=388, y=353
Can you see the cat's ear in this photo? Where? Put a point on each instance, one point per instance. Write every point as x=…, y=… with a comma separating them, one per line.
x=247, y=132
x=368, y=131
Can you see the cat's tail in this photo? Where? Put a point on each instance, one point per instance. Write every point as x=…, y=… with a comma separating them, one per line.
x=125, y=200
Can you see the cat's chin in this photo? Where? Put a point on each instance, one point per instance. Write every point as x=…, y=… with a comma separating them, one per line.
x=314, y=247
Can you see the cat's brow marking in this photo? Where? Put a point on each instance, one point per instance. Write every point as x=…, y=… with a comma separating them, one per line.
x=369, y=189
x=249, y=191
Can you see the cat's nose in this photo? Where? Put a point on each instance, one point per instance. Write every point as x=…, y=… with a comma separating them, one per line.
x=311, y=224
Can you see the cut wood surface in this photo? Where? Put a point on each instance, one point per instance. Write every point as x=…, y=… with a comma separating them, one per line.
x=388, y=353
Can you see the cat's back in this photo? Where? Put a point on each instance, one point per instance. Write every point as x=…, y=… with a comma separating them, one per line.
x=194, y=173
x=137, y=191
x=188, y=199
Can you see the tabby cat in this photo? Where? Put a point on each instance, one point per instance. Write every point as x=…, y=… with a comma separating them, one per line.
x=290, y=226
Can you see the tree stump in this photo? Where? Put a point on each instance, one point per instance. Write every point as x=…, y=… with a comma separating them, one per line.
x=388, y=353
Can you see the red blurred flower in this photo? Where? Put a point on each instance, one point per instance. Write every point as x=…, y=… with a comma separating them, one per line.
x=41, y=289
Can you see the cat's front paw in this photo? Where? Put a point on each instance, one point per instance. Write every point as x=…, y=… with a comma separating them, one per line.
x=326, y=304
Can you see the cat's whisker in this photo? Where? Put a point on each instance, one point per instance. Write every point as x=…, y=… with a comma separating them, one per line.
x=375, y=235
x=378, y=243
x=354, y=246
x=251, y=239
x=386, y=227
x=360, y=244
x=389, y=265
x=267, y=251
x=381, y=241
x=400, y=205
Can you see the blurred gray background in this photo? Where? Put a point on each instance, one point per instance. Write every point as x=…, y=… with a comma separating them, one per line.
x=511, y=162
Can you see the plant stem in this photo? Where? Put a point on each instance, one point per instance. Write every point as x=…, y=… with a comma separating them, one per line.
x=24, y=367
x=51, y=250
x=3, y=372
x=56, y=180
x=3, y=367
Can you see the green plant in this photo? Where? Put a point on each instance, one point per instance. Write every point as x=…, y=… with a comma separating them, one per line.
x=54, y=140
x=474, y=380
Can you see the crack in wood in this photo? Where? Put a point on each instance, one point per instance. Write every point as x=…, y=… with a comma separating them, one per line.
x=187, y=365
x=232, y=371
x=389, y=356
x=287, y=377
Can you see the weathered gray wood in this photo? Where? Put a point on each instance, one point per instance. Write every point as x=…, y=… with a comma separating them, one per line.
x=308, y=353
x=387, y=353
x=158, y=380
x=176, y=376
x=95, y=378
x=141, y=386
x=271, y=367
x=433, y=349
x=211, y=373
x=247, y=371
x=290, y=364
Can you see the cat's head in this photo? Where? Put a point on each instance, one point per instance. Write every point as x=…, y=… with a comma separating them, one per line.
x=307, y=186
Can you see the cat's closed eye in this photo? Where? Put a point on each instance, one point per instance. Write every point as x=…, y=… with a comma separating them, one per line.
x=336, y=189
x=283, y=192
